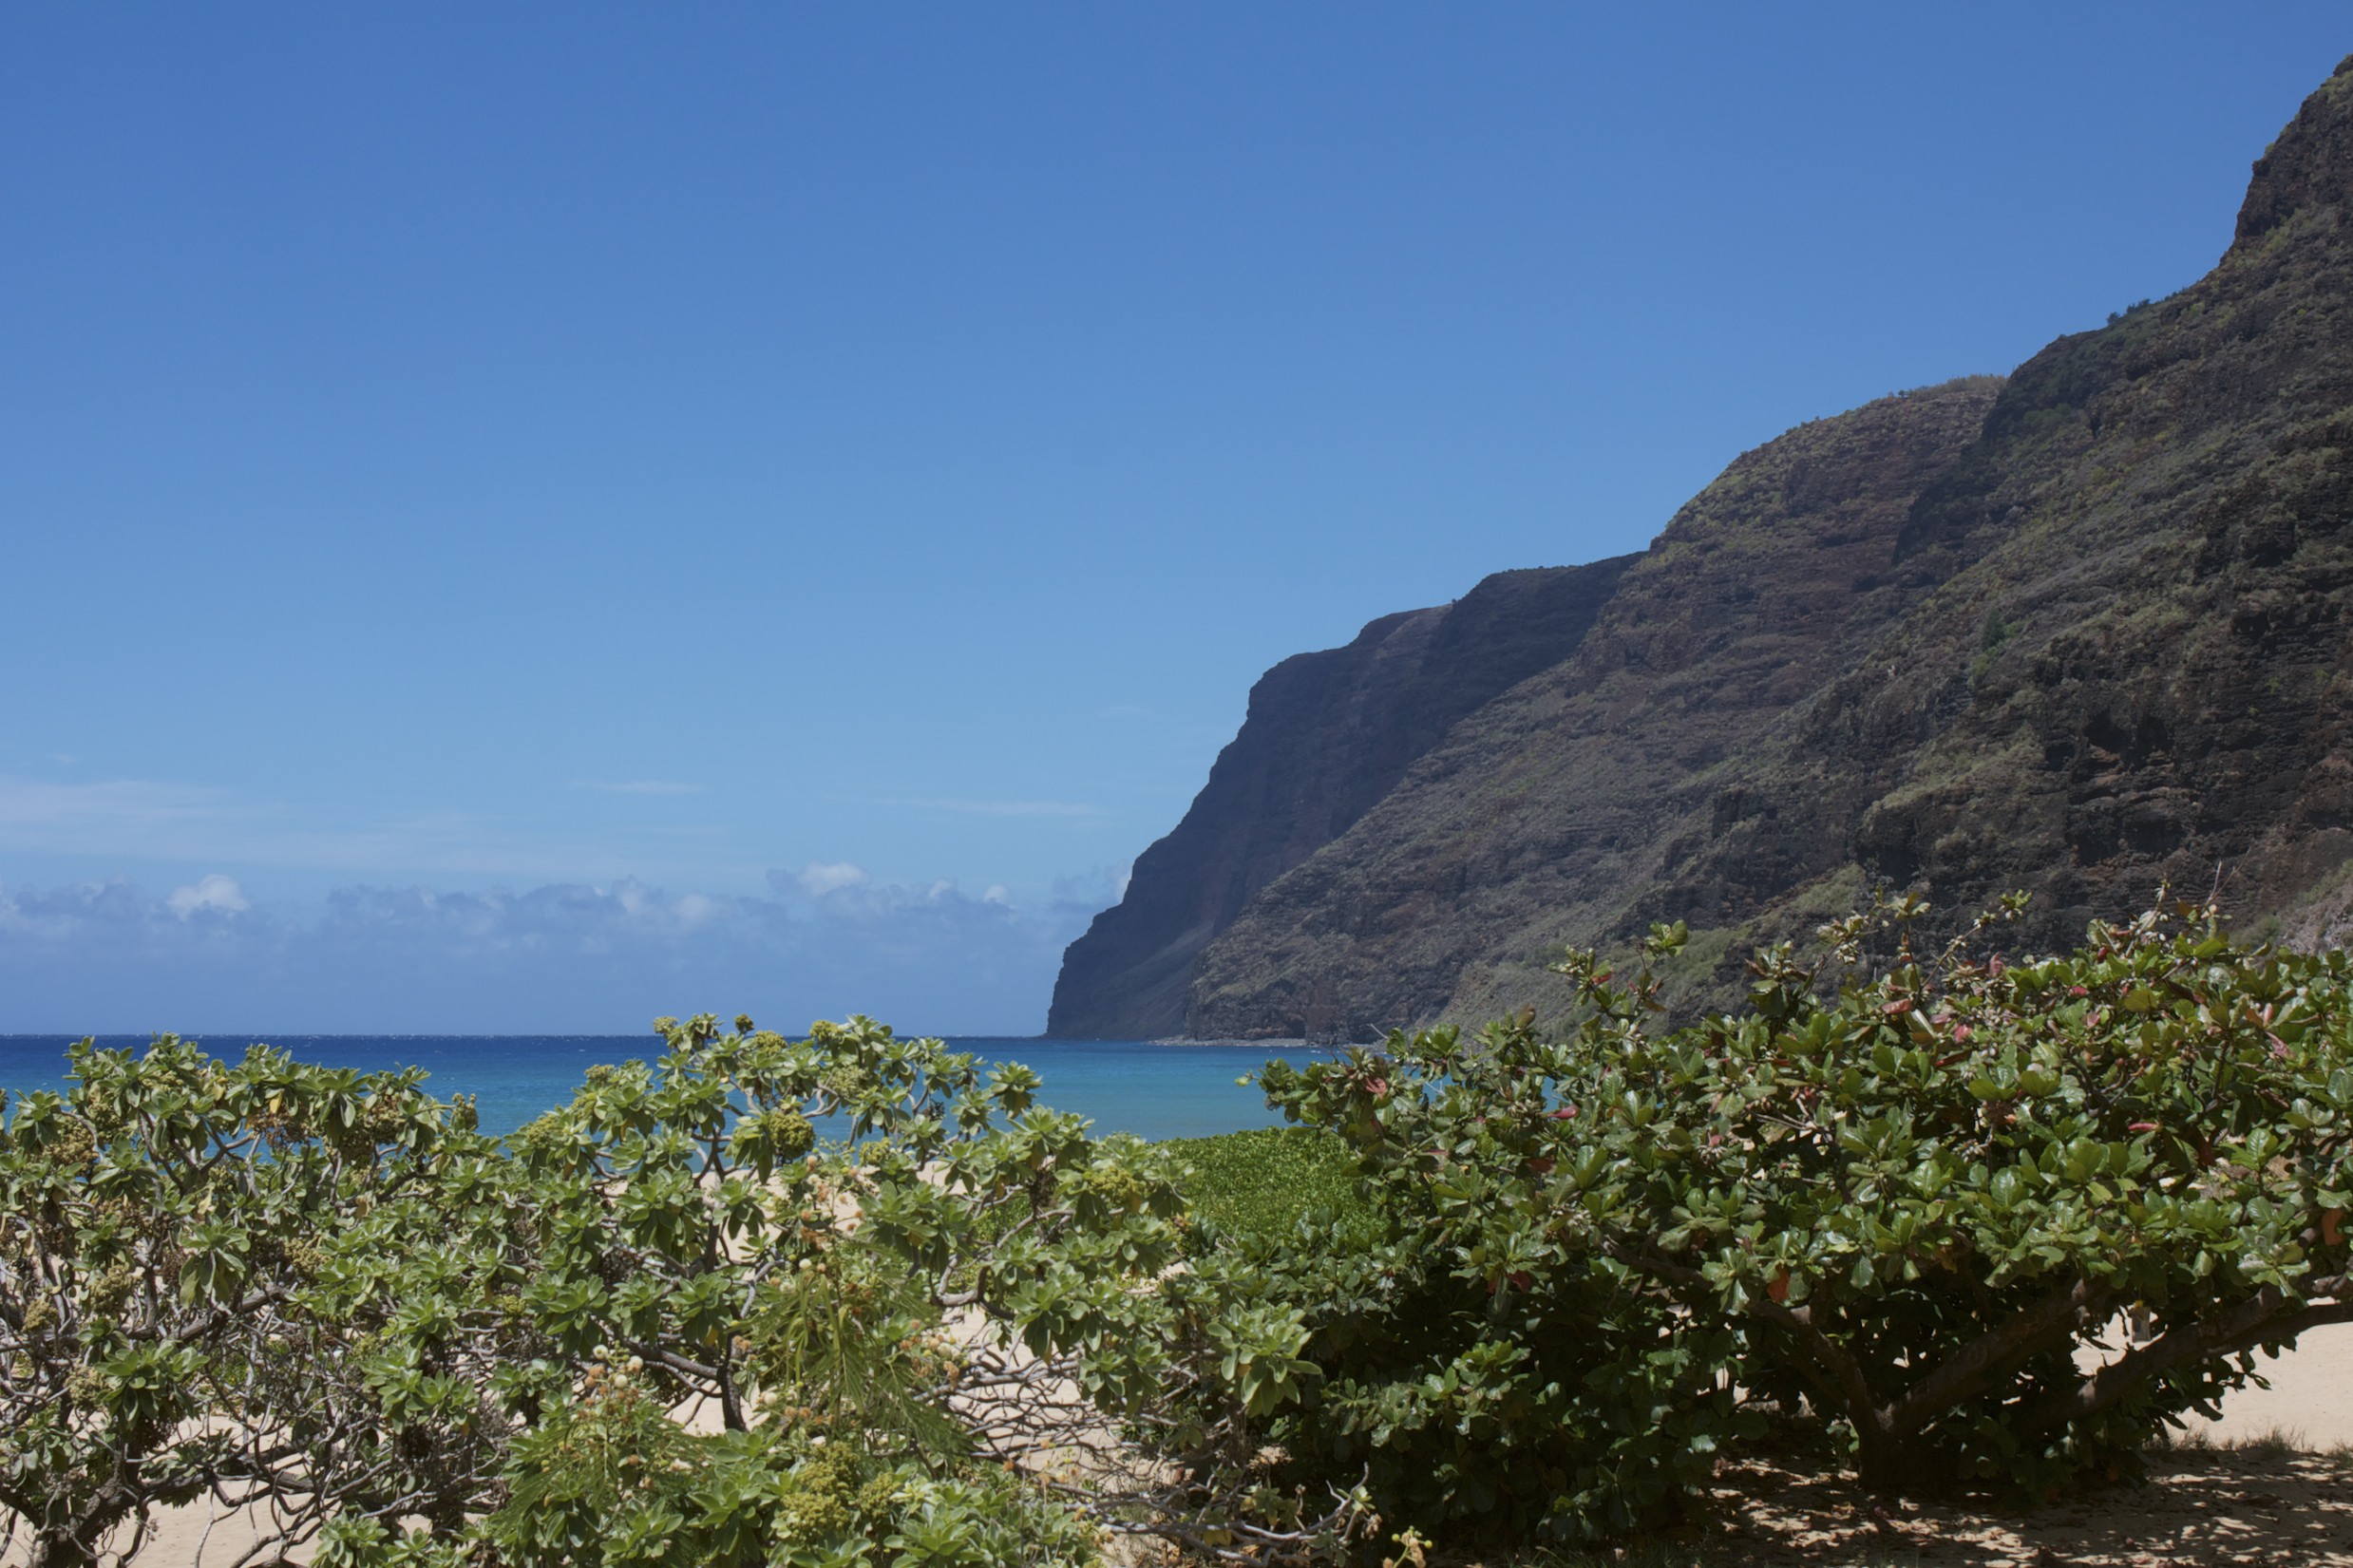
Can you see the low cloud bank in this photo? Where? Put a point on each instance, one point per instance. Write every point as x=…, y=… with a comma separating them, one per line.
x=561, y=958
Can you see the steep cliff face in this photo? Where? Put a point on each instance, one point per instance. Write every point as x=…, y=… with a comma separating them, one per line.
x=2163, y=692
x=2083, y=636
x=1327, y=735
x=1560, y=800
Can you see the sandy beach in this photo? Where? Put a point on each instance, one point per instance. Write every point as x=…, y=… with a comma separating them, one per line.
x=2201, y=1508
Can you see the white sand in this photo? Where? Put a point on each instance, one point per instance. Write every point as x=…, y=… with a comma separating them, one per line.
x=2310, y=1400
x=192, y=1536
x=2310, y=1403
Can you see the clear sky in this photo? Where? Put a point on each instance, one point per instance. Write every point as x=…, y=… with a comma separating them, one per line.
x=529, y=517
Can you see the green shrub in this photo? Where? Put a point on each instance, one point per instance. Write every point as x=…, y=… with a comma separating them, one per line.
x=330, y=1291
x=1500, y=1287
x=1468, y=1414
x=161, y=1228
x=1891, y=1213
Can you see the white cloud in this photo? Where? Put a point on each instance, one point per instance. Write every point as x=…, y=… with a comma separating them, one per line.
x=820, y=877
x=558, y=958
x=214, y=891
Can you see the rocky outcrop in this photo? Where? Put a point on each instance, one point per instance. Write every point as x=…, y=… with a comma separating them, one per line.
x=1327, y=735
x=2162, y=686
x=2086, y=632
x=1567, y=797
x=2309, y=168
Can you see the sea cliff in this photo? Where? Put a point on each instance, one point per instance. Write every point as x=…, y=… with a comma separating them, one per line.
x=2085, y=631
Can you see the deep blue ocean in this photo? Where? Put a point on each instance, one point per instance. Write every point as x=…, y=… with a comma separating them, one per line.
x=1124, y=1086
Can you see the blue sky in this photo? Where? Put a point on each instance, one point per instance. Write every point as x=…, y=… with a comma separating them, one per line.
x=531, y=517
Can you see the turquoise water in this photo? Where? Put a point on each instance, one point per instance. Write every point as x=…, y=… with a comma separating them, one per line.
x=1124, y=1086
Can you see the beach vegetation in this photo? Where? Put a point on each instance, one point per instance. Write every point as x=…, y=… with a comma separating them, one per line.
x=1944, y=1220
x=665, y=1323
x=1954, y=1222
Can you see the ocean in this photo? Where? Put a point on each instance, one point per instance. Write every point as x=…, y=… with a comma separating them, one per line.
x=1123, y=1086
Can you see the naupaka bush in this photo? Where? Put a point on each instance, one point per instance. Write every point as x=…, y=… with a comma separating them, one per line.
x=1897, y=1211
x=328, y=1296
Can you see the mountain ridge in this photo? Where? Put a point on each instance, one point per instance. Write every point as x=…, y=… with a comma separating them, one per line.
x=2084, y=631
x=1326, y=735
x=1553, y=796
